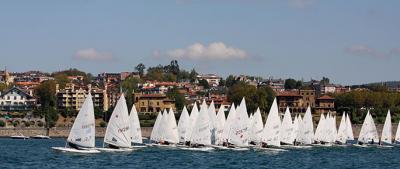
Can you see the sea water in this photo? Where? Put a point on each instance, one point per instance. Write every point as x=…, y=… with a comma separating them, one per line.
x=38, y=154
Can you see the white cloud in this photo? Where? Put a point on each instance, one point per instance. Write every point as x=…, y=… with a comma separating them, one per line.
x=365, y=50
x=93, y=55
x=215, y=50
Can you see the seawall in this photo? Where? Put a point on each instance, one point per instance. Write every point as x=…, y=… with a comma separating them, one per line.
x=57, y=131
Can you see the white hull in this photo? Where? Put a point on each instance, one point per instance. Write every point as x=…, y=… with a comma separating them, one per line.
x=40, y=137
x=271, y=149
x=20, y=137
x=72, y=150
x=197, y=149
x=115, y=150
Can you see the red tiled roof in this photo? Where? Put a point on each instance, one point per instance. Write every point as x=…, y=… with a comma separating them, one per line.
x=325, y=97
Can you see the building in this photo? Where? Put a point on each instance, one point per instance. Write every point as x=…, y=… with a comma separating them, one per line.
x=73, y=98
x=277, y=85
x=16, y=99
x=6, y=77
x=291, y=99
x=212, y=79
x=152, y=103
x=325, y=104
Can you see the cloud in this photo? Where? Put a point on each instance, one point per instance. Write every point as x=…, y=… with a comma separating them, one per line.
x=365, y=50
x=92, y=54
x=301, y=3
x=215, y=50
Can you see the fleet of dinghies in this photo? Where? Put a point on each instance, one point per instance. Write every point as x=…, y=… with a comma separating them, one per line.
x=206, y=129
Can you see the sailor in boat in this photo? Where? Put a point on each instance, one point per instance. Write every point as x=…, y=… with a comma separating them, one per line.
x=295, y=143
x=163, y=142
x=75, y=146
x=227, y=144
x=264, y=145
x=372, y=142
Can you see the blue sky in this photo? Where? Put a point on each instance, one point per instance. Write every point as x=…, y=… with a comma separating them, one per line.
x=351, y=42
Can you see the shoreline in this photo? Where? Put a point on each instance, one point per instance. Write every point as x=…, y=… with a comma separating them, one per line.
x=56, y=132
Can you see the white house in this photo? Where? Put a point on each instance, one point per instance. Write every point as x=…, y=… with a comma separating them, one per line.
x=15, y=99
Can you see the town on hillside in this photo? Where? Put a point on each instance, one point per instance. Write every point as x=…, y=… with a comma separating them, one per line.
x=41, y=99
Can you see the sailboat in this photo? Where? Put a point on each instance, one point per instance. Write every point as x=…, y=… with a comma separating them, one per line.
x=118, y=132
x=81, y=138
x=201, y=135
x=238, y=134
x=167, y=130
x=228, y=124
x=136, y=132
x=342, y=132
x=213, y=121
x=193, y=117
x=155, y=133
x=397, y=136
x=256, y=128
x=183, y=125
x=286, y=131
x=307, y=128
x=271, y=132
x=219, y=127
x=350, y=135
x=368, y=133
x=319, y=132
x=386, y=137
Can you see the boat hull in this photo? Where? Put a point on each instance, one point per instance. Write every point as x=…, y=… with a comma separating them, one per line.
x=115, y=150
x=73, y=150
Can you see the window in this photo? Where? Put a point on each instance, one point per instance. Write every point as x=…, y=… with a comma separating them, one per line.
x=15, y=97
x=158, y=103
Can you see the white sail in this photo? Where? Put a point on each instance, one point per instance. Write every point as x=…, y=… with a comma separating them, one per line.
x=219, y=127
x=155, y=134
x=308, y=127
x=172, y=123
x=286, y=130
x=166, y=129
x=295, y=134
x=342, y=132
x=83, y=130
x=213, y=120
x=387, y=130
x=257, y=127
x=350, y=135
x=201, y=131
x=300, y=130
x=183, y=126
x=319, y=132
x=228, y=123
x=271, y=132
x=118, y=129
x=193, y=117
x=136, y=132
x=373, y=132
x=368, y=130
x=238, y=134
x=334, y=129
x=362, y=136
x=397, y=137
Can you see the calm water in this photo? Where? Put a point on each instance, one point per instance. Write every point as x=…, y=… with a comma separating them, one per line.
x=37, y=154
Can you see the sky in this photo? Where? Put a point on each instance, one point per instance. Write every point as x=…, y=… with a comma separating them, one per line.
x=351, y=42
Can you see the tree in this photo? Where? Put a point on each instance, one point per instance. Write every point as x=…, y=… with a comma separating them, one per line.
x=129, y=86
x=173, y=67
x=230, y=81
x=140, y=68
x=46, y=93
x=155, y=73
x=179, y=98
x=3, y=86
x=193, y=75
x=204, y=83
x=290, y=83
x=324, y=81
